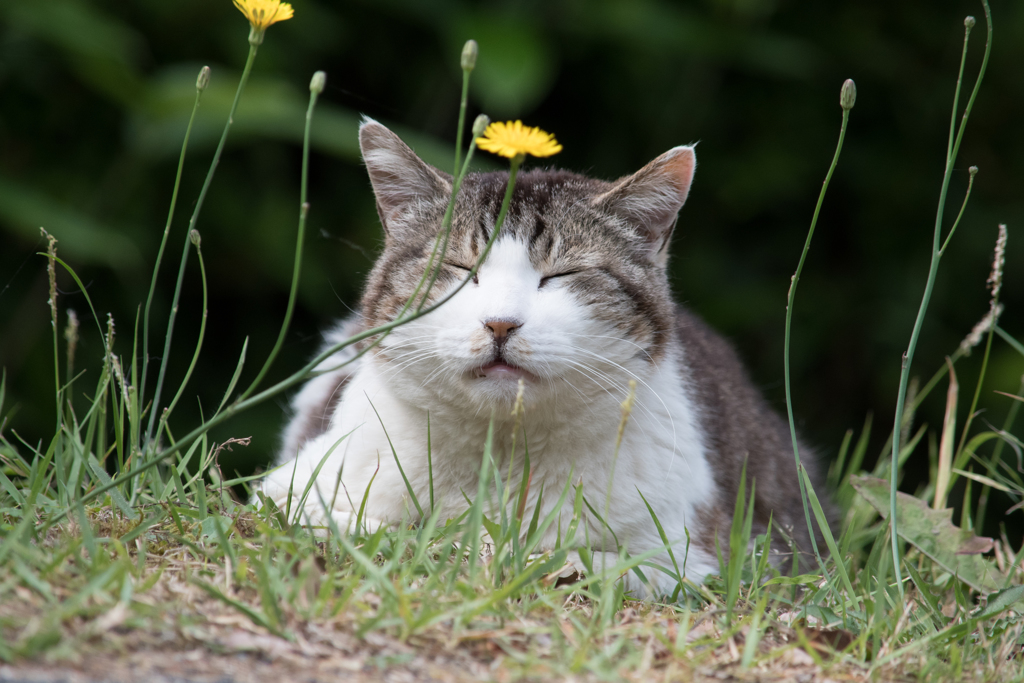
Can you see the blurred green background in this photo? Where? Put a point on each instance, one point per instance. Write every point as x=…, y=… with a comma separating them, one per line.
x=96, y=95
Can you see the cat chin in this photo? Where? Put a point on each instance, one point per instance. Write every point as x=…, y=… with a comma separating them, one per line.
x=498, y=389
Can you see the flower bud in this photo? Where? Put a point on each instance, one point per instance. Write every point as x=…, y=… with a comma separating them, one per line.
x=973, y=170
x=203, y=79
x=469, y=53
x=480, y=125
x=848, y=95
x=969, y=23
x=316, y=85
x=193, y=235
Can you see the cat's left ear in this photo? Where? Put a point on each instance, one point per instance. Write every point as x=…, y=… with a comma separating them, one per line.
x=402, y=182
x=650, y=199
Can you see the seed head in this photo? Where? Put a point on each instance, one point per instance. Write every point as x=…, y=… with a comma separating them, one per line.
x=973, y=170
x=995, y=280
x=848, y=94
x=469, y=53
x=71, y=335
x=981, y=329
x=51, y=273
x=969, y=23
x=196, y=238
x=319, y=80
x=203, y=79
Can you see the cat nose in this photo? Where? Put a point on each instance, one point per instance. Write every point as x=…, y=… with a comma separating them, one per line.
x=502, y=328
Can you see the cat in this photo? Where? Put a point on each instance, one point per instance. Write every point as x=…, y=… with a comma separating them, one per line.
x=574, y=300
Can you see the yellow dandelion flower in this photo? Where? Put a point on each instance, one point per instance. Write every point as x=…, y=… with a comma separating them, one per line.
x=513, y=139
x=263, y=13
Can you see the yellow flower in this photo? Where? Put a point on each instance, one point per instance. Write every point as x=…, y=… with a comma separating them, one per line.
x=263, y=13
x=512, y=139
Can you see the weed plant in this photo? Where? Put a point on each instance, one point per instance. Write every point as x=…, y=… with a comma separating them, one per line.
x=119, y=530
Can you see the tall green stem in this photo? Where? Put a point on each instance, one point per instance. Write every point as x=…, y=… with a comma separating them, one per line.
x=167, y=230
x=314, y=94
x=468, y=63
x=196, y=240
x=192, y=224
x=441, y=248
x=789, y=319
x=952, y=148
x=462, y=119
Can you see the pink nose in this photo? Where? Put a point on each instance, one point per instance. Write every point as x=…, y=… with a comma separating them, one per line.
x=501, y=328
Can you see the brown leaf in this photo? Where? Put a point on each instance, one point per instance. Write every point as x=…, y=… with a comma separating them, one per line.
x=975, y=546
x=830, y=639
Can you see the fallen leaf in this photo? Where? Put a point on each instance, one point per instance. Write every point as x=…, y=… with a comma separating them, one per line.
x=827, y=640
x=934, y=534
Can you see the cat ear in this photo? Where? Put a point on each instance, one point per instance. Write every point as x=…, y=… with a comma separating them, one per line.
x=650, y=199
x=401, y=180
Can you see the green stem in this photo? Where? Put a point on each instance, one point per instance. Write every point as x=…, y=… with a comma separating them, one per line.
x=943, y=369
x=1014, y=344
x=163, y=244
x=299, y=242
x=58, y=456
x=199, y=346
x=462, y=118
x=433, y=264
x=977, y=389
x=431, y=271
x=789, y=319
x=908, y=356
x=192, y=224
x=506, y=200
x=446, y=228
x=967, y=195
x=997, y=453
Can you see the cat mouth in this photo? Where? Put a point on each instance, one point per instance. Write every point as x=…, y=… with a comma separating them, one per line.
x=500, y=369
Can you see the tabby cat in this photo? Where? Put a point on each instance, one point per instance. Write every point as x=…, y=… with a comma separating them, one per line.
x=573, y=299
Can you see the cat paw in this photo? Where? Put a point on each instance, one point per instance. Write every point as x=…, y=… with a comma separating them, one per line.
x=655, y=585
x=340, y=521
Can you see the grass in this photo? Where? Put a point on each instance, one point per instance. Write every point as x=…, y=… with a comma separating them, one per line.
x=120, y=552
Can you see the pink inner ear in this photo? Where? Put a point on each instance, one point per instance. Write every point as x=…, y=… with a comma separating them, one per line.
x=651, y=198
x=680, y=167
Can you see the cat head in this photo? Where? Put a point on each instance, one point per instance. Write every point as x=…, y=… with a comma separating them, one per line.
x=573, y=296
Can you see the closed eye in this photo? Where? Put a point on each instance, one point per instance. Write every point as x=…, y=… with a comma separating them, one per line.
x=476, y=280
x=547, y=278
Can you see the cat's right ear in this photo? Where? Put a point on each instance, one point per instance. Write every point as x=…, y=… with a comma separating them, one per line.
x=402, y=182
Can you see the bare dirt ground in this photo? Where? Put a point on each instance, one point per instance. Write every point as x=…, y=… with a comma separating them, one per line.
x=251, y=658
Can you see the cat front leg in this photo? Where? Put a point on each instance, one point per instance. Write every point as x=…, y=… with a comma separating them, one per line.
x=343, y=522
x=659, y=584
x=327, y=501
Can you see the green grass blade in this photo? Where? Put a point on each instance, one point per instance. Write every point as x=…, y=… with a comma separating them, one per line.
x=115, y=495
x=234, y=378
x=826, y=531
x=394, y=453
x=664, y=539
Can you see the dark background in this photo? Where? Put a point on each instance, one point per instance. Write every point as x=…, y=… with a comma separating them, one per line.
x=94, y=98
